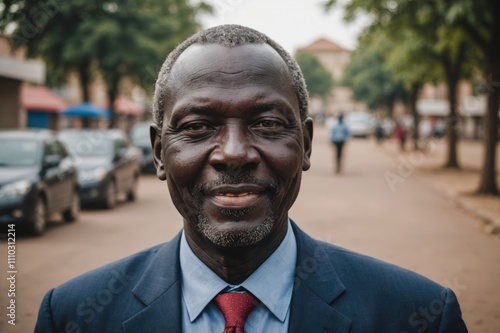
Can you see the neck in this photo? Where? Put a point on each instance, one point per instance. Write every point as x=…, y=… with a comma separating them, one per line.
x=234, y=265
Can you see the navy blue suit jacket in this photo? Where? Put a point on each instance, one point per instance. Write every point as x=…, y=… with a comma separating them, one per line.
x=335, y=290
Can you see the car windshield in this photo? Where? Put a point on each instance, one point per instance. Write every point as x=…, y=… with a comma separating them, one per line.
x=140, y=132
x=18, y=152
x=88, y=144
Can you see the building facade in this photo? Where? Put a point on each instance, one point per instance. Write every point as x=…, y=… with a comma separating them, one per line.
x=335, y=59
x=14, y=71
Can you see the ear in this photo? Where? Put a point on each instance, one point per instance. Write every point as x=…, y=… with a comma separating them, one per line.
x=307, y=133
x=155, y=135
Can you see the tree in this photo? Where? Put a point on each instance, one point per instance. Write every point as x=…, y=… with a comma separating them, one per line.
x=382, y=66
x=480, y=19
x=318, y=79
x=422, y=37
x=369, y=80
x=132, y=36
x=122, y=38
x=434, y=43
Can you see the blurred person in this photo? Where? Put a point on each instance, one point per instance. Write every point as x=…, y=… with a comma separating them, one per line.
x=338, y=136
x=379, y=132
x=425, y=133
x=401, y=133
x=388, y=126
x=231, y=138
x=439, y=128
x=425, y=129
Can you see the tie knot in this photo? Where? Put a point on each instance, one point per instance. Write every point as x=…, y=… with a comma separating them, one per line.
x=236, y=307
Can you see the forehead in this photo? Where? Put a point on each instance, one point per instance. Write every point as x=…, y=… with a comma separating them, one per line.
x=203, y=59
x=239, y=70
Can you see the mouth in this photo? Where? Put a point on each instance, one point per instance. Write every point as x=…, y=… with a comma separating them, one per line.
x=235, y=196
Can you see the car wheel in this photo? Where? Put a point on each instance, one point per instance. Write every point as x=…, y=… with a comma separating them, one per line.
x=132, y=192
x=110, y=200
x=39, y=219
x=71, y=214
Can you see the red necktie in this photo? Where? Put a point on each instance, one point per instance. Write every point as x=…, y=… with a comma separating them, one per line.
x=235, y=308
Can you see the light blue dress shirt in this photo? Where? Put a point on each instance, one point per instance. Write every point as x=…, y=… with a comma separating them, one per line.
x=271, y=283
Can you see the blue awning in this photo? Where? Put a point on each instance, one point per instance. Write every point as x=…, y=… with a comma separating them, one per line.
x=87, y=110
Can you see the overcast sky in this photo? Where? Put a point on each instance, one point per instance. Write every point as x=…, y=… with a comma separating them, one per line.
x=292, y=23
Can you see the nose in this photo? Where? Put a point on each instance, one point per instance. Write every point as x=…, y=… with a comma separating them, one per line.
x=235, y=151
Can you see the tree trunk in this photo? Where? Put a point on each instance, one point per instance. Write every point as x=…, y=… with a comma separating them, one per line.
x=390, y=110
x=490, y=48
x=453, y=118
x=415, y=89
x=488, y=184
x=84, y=78
x=112, y=94
x=390, y=107
x=451, y=132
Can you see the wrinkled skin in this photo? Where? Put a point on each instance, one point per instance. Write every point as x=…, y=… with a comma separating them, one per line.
x=232, y=149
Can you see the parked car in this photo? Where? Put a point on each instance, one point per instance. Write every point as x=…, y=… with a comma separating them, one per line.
x=140, y=138
x=361, y=124
x=38, y=177
x=108, y=165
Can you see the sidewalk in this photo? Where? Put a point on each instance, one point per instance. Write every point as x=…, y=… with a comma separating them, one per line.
x=456, y=185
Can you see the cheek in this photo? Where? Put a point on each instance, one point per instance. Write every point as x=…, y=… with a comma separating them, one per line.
x=183, y=163
x=285, y=160
x=182, y=167
x=285, y=155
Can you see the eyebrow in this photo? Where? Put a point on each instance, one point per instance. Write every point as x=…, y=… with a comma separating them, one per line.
x=282, y=107
x=259, y=107
x=187, y=110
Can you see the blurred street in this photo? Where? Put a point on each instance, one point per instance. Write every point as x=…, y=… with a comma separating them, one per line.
x=410, y=225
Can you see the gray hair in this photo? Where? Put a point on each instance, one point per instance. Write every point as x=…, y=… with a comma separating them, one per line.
x=229, y=35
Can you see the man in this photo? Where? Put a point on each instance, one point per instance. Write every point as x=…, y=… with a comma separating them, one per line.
x=338, y=136
x=231, y=137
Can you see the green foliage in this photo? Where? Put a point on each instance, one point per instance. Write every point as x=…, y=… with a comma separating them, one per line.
x=369, y=80
x=318, y=79
x=118, y=38
x=417, y=43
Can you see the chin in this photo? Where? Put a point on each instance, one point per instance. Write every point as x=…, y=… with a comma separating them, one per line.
x=236, y=234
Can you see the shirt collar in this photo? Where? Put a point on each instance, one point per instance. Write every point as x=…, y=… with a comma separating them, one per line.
x=271, y=283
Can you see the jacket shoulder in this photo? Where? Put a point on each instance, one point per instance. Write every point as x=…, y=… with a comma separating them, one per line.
x=375, y=289
x=374, y=272
x=106, y=292
x=126, y=270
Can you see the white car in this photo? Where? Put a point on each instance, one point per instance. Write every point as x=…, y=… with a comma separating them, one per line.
x=361, y=124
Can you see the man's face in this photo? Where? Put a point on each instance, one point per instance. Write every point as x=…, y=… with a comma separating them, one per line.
x=232, y=145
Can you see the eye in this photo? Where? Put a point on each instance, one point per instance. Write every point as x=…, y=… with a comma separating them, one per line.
x=269, y=124
x=195, y=127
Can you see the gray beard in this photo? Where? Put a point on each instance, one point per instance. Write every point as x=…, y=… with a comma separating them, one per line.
x=236, y=238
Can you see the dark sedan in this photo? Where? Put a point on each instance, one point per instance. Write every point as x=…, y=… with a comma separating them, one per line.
x=140, y=138
x=37, y=178
x=108, y=165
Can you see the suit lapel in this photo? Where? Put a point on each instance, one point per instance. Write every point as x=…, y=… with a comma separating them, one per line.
x=160, y=290
x=316, y=286
x=163, y=315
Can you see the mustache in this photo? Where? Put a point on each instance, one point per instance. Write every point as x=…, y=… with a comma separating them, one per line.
x=269, y=186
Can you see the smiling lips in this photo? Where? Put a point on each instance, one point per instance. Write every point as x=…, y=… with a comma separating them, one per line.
x=236, y=196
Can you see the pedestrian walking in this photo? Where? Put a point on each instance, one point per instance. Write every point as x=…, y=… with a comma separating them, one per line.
x=400, y=133
x=338, y=136
x=379, y=132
